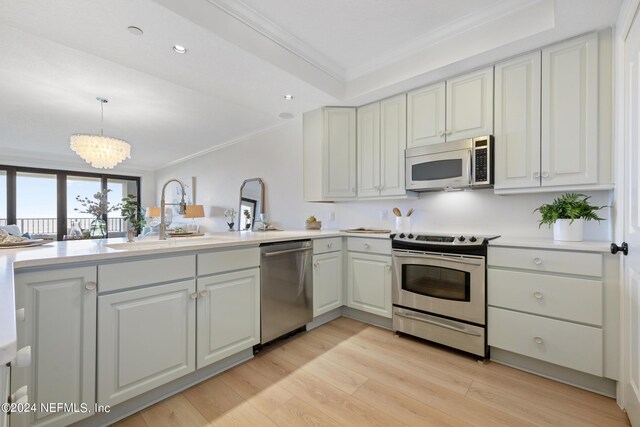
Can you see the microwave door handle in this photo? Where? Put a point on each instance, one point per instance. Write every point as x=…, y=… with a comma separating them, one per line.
x=439, y=258
x=470, y=166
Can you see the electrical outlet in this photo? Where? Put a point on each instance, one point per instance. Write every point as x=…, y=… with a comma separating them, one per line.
x=332, y=216
x=384, y=215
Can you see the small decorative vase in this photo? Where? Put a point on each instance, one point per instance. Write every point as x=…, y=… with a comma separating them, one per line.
x=566, y=231
x=131, y=234
x=98, y=229
x=231, y=224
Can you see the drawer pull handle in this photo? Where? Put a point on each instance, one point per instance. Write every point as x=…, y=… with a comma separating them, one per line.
x=538, y=295
x=90, y=286
x=204, y=293
x=538, y=340
x=537, y=261
x=193, y=295
x=366, y=246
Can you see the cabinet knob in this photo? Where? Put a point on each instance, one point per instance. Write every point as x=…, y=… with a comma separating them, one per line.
x=441, y=133
x=330, y=245
x=193, y=295
x=538, y=295
x=545, y=174
x=536, y=175
x=366, y=246
x=316, y=264
x=388, y=266
x=448, y=132
x=90, y=286
x=537, y=261
x=538, y=340
x=204, y=293
x=23, y=358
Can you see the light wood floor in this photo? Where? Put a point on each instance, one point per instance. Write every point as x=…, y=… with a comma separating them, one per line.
x=353, y=374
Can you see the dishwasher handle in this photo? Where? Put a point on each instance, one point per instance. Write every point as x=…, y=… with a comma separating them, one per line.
x=287, y=251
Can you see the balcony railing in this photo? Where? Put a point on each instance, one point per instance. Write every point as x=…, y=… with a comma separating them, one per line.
x=49, y=226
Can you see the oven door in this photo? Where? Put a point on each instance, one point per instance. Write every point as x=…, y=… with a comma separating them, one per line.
x=445, y=284
x=437, y=171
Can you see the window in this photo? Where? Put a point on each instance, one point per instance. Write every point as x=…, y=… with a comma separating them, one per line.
x=42, y=202
x=37, y=203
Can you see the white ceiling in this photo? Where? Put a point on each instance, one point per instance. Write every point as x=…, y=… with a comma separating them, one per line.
x=243, y=57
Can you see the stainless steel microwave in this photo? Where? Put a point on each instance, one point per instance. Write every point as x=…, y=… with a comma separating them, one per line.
x=467, y=163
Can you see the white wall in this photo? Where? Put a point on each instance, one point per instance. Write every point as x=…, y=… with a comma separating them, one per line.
x=276, y=157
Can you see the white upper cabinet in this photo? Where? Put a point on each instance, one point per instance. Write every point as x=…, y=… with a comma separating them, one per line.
x=425, y=119
x=329, y=151
x=517, y=122
x=382, y=139
x=552, y=118
x=470, y=105
x=570, y=112
x=459, y=108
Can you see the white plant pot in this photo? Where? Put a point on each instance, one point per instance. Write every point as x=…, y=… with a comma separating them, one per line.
x=566, y=231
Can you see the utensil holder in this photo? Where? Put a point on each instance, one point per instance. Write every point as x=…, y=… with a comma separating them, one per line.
x=403, y=224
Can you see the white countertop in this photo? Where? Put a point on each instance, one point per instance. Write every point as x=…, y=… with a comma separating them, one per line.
x=74, y=251
x=530, y=242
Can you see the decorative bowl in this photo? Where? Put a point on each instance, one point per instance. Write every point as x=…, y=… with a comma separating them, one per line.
x=313, y=225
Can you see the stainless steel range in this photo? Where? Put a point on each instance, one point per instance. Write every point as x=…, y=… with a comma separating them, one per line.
x=439, y=288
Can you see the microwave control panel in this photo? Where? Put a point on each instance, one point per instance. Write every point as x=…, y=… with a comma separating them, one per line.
x=482, y=167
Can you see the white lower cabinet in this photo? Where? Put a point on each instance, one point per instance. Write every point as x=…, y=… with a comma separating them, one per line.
x=369, y=283
x=146, y=338
x=228, y=315
x=327, y=282
x=60, y=327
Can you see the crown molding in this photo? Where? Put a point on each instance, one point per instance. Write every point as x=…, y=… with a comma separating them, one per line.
x=441, y=34
x=253, y=19
x=628, y=11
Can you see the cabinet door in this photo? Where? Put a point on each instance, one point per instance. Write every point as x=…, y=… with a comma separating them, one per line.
x=570, y=112
x=228, y=315
x=470, y=105
x=146, y=338
x=368, y=152
x=425, y=118
x=339, y=153
x=393, y=141
x=327, y=282
x=60, y=327
x=369, y=283
x=517, y=122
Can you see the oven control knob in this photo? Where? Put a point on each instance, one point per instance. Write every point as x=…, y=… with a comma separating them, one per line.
x=472, y=239
x=461, y=238
x=410, y=236
x=402, y=235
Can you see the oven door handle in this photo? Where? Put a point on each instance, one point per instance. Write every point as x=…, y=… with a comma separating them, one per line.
x=438, y=258
x=435, y=323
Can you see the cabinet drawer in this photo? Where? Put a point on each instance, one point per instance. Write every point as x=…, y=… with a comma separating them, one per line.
x=331, y=244
x=378, y=246
x=566, y=344
x=122, y=275
x=582, y=263
x=223, y=261
x=578, y=300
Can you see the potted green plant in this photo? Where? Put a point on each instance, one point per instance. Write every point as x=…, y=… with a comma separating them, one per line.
x=567, y=213
x=133, y=214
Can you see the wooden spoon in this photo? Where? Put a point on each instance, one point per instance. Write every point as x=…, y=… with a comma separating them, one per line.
x=397, y=212
x=410, y=212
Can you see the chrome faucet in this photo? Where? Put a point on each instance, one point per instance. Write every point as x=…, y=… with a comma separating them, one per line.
x=182, y=204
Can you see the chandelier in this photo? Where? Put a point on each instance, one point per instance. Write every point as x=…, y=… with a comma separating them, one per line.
x=101, y=152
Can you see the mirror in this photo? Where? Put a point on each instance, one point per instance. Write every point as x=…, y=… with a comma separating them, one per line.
x=251, y=203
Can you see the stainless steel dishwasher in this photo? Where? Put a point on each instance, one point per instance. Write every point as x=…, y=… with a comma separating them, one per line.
x=286, y=292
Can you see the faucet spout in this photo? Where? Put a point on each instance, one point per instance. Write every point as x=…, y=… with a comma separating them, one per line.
x=182, y=204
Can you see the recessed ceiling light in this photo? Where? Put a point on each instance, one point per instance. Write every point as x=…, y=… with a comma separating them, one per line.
x=285, y=116
x=179, y=49
x=135, y=31
x=288, y=97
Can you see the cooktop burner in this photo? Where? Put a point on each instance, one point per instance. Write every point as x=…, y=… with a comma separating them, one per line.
x=441, y=239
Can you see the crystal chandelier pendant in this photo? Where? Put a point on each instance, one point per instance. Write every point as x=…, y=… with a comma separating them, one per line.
x=101, y=152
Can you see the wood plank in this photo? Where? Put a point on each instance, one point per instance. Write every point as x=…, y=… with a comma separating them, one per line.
x=256, y=388
x=175, y=411
x=135, y=420
x=298, y=413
